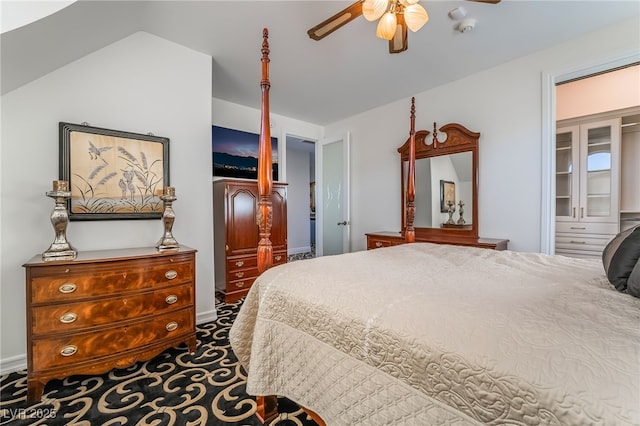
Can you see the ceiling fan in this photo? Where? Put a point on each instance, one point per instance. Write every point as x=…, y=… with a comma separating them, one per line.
x=395, y=17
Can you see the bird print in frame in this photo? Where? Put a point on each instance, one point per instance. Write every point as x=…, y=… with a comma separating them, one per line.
x=113, y=174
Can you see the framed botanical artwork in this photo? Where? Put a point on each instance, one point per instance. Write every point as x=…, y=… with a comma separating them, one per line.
x=235, y=153
x=447, y=195
x=113, y=174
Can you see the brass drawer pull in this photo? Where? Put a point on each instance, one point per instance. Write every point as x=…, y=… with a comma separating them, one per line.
x=577, y=242
x=171, y=274
x=240, y=274
x=172, y=326
x=277, y=258
x=69, y=350
x=578, y=227
x=378, y=244
x=67, y=288
x=240, y=284
x=171, y=299
x=239, y=263
x=68, y=318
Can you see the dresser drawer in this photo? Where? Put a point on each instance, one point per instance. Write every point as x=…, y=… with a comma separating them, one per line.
x=68, y=317
x=74, y=348
x=587, y=228
x=242, y=274
x=581, y=254
x=242, y=263
x=581, y=243
x=378, y=242
x=75, y=282
x=280, y=257
x=241, y=284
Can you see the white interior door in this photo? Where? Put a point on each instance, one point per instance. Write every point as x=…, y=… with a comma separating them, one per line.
x=332, y=196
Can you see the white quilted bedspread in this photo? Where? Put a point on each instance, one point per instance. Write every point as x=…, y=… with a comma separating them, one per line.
x=424, y=334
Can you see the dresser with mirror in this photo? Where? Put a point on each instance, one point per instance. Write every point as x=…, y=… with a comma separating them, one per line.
x=446, y=191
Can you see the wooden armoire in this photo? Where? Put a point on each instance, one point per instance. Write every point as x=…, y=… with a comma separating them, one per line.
x=236, y=234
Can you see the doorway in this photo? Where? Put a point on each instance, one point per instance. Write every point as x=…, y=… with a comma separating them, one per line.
x=549, y=117
x=301, y=215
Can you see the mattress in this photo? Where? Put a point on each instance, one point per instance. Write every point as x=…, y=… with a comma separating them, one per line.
x=426, y=334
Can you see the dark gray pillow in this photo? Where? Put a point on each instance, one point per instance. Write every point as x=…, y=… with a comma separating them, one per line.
x=620, y=258
x=633, y=283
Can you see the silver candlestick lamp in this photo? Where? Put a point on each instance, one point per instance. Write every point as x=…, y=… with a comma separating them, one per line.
x=60, y=249
x=461, y=220
x=167, y=242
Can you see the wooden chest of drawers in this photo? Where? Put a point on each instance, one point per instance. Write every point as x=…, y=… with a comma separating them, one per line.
x=386, y=239
x=106, y=309
x=236, y=234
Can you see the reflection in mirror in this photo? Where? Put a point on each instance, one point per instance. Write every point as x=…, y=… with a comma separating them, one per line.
x=450, y=155
x=456, y=168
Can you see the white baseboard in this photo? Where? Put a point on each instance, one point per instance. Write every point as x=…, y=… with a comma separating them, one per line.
x=298, y=250
x=205, y=317
x=13, y=364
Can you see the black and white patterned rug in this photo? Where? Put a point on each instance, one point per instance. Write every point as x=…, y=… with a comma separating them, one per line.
x=175, y=388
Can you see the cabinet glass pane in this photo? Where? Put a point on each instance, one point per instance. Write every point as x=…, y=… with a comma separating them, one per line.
x=563, y=160
x=563, y=206
x=599, y=158
x=599, y=193
x=599, y=135
x=564, y=173
x=599, y=172
x=563, y=140
x=598, y=206
x=563, y=185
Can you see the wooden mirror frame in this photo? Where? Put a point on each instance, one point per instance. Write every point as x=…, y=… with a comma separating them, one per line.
x=459, y=139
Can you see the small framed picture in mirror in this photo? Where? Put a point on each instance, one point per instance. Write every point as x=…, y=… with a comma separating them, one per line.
x=447, y=195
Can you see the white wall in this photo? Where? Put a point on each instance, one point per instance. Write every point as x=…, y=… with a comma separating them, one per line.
x=605, y=92
x=139, y=84
x=298, y=211
x=504, y=104
x=239, y=117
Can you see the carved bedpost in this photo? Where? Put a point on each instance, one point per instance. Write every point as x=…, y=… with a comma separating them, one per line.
x=410, y=232
x=264, y=212
x=267, y=405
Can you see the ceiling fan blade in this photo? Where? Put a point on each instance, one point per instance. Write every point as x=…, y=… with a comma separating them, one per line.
x=399, y=43
x=341, y=18
x=486, y=1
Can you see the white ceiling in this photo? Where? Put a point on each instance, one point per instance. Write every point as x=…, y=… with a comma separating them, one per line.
x=348, y=72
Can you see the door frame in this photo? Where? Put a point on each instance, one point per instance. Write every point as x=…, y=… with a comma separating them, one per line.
x=548, y=184
x=346, y=235
x=282, y=158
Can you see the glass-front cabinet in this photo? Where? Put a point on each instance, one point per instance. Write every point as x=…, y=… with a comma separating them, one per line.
x=567, y=183
x=587, y=172
x=587, y=186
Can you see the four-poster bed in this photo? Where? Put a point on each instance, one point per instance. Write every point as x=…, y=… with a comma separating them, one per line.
x=438, y=334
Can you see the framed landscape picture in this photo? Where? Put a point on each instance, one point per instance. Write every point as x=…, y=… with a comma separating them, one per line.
x=113, y=174
x=235, y=153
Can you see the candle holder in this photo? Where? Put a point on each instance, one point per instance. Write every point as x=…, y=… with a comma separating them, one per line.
x=60, y=249
x=451, y=210
x=168, y=242
x=461, y=220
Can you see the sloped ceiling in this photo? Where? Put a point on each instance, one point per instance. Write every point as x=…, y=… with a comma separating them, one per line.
x=320, y=82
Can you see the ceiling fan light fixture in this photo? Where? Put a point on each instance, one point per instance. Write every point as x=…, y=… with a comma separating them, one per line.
x=415, y=16
x=387, y=26
x=408, y=2
x=399, y=42
x=373, y=9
